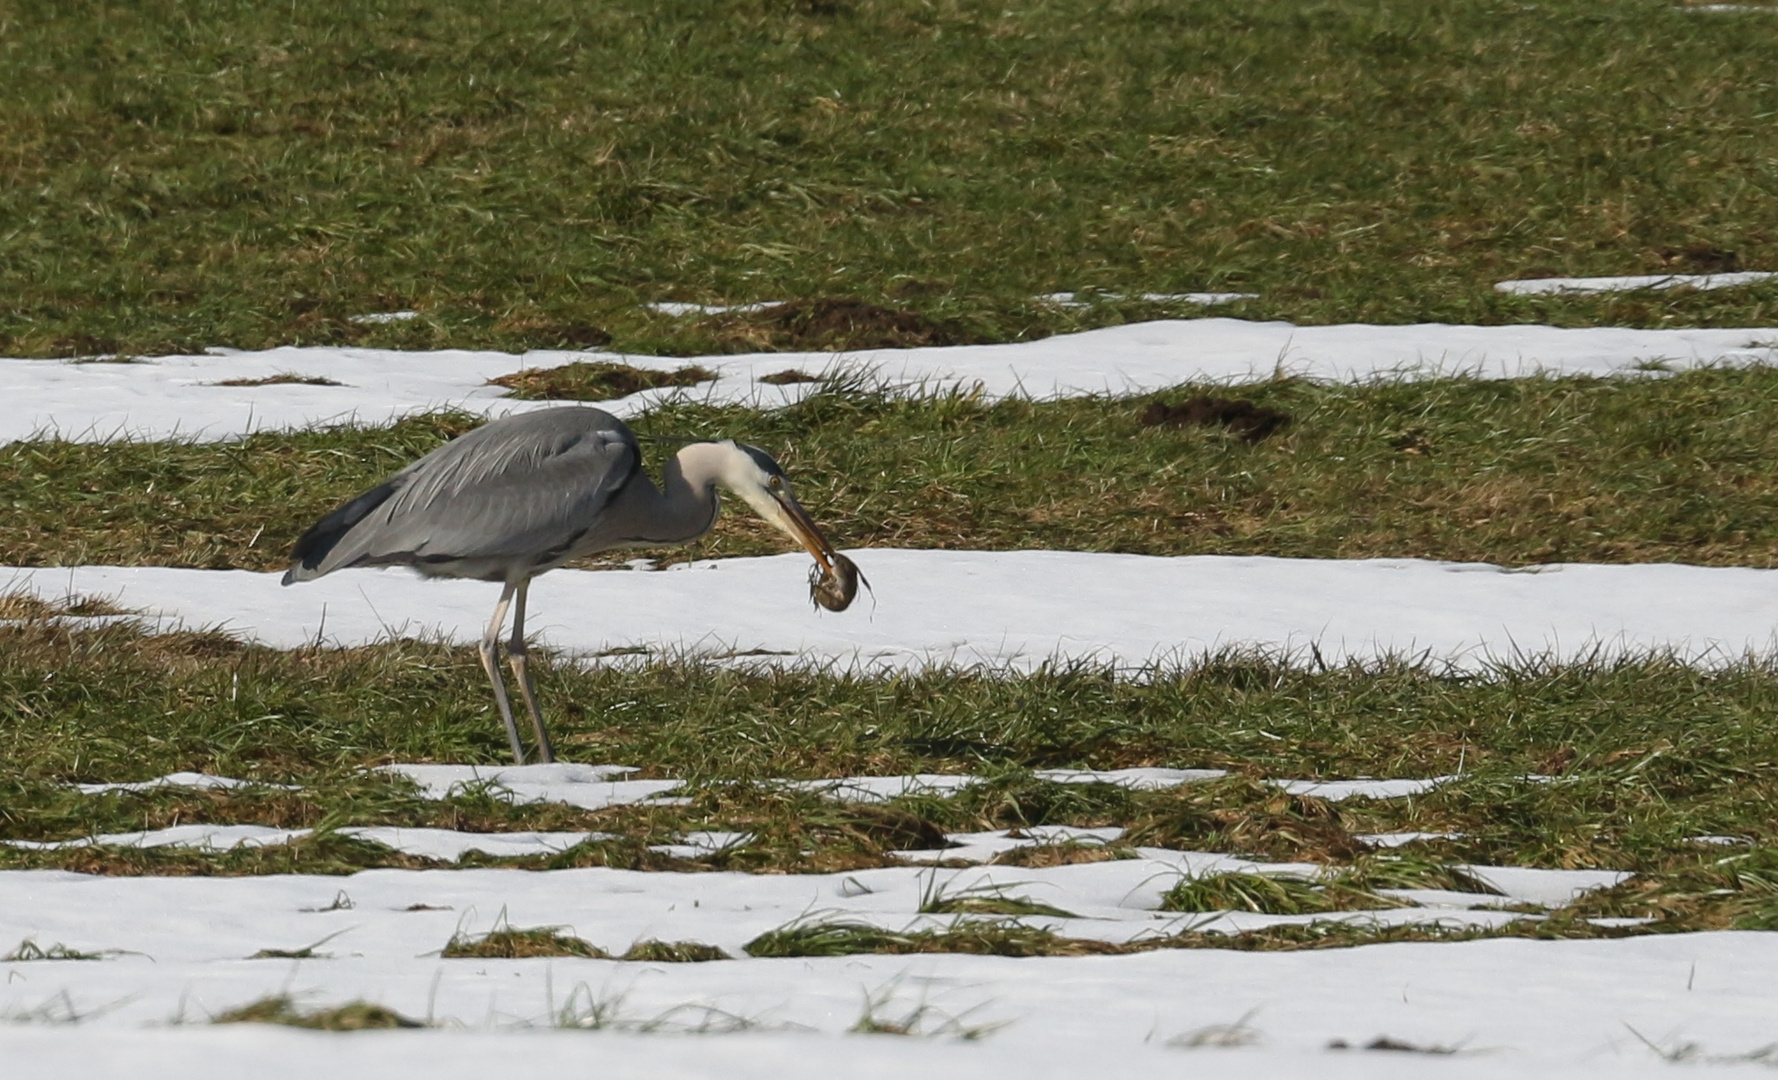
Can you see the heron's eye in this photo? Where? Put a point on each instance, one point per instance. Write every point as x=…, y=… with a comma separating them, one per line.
x=776, y=482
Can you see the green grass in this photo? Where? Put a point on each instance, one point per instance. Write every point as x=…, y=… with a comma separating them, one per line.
x=1645, y=755
x=983, y=937
x=1270, y=894
x=530, y=175
x=234, y=173
x=1517, y=471
x=986, y=900
x=1648, y=754
x=839, y=937
x=1349, y=886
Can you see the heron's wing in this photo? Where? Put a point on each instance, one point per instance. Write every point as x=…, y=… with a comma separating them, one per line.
x=520, y=489
x=508, y=498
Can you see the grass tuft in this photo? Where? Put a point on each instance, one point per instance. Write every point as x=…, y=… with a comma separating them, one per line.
x=674, y=952
x=921, y=1020
x=281, y=1009
x=307, y=952
x=1270, y=894
x=818, y=937
x=28, y=950
x=509, y=943
x=984, y=900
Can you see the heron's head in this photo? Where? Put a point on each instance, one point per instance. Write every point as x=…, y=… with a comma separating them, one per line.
x=751, y=474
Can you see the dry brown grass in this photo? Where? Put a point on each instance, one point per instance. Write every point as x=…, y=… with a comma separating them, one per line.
x=1244, y=815
x=24, y=606
x=1037, y=856
x=282, y=1009
x=595, y=380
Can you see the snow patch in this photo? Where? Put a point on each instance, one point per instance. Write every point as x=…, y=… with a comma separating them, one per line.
x=1003, y=610
x=589, y=787
x=1542, y=286
x=194, y=780
x=1202, y=299
x=1336, y=790
x=176, y=396
x=981, y=847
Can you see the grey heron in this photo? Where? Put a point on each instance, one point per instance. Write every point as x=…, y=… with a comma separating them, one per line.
x=527, y=493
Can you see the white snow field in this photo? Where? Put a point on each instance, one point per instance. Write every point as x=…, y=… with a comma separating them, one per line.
x=1508, y=1007
x=980, y=608
x=178, y=396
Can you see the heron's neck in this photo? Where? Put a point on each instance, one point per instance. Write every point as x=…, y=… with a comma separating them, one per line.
x=688, y=500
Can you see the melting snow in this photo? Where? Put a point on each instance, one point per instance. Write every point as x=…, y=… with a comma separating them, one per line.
x=199, y=781
x=973, y=607
x=177, y=947
x=590, y=787
x=696, y=845
x=202, y=837
x=1397, y=839
x=1203, y=299
x=981, y=847
x=177, y=951
x=448, y=845
x=168, y=396
x=1335, y=790
x=678, y=309
x=1537, y=286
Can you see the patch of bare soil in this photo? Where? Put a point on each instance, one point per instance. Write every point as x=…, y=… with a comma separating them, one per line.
x=788, y=376
x=594, y=381
x=832, y=324
x=1699, y=259
x=1241, y=417
x=87, y=347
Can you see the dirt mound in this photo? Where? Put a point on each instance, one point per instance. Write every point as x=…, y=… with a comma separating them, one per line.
x=788, y=376
x=594, y=381
x=1251, y=422
x=1699, y=259
x=832, y=324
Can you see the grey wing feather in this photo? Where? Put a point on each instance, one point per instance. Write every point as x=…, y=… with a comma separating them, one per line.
x=513, y=493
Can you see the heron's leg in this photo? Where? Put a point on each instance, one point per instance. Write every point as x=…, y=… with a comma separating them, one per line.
x=491, y=664
x=515, y=653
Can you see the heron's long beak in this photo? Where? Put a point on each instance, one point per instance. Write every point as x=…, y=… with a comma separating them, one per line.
x=801, y=528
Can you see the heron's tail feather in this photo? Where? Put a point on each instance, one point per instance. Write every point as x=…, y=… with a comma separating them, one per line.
x=309, y=559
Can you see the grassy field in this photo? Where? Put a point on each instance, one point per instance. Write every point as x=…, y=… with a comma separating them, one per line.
x=1613, y=765
x=1524, y=471
x=174, y=176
